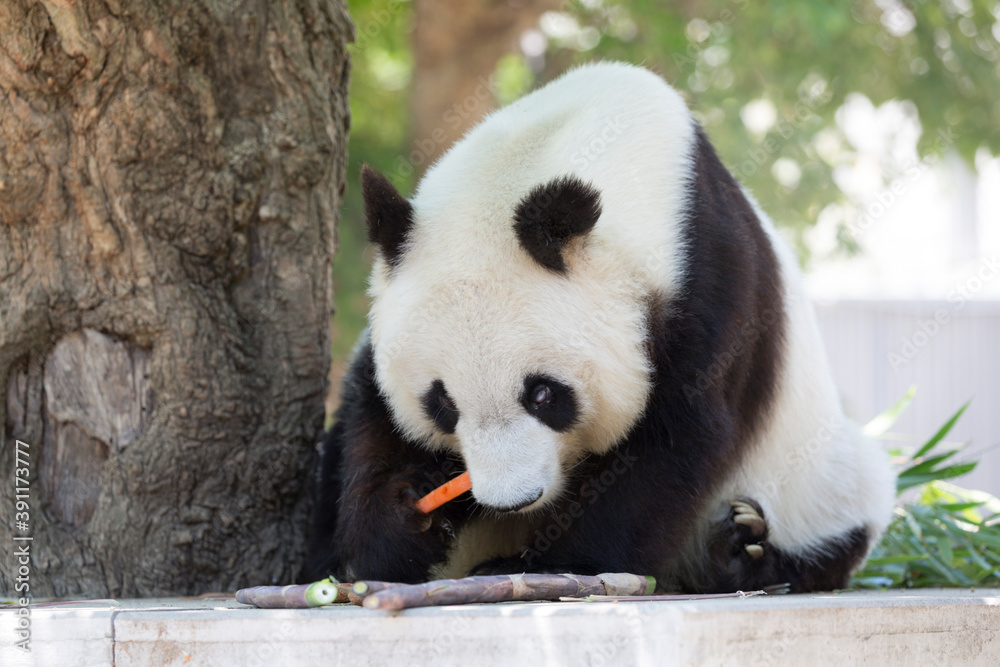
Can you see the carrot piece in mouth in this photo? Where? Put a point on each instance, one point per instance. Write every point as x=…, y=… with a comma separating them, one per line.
x=448, y=491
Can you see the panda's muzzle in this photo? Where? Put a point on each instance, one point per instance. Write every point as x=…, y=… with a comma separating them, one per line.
x=527, y=501
x=513, y=464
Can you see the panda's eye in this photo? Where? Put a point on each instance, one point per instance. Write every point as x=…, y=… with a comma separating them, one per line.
x=541, y=394
x=445, y=401
x=550, y=401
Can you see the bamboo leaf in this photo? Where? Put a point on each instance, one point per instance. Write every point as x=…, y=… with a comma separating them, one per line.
x=990, y=538
x=910, y=481
x=944, y=546
x=927, y=465
x=943, y=431
x=940, y=539
x=883, y=422
x=890, y=560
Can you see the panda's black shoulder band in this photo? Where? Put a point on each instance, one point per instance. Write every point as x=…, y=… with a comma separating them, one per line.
x=552, y=214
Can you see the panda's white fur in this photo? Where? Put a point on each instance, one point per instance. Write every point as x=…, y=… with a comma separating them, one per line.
x=480, y=310
x=466, y=304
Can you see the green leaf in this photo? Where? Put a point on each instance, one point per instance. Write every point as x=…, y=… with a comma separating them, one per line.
x=940, y=539
x=943, y=431
x=927, y=465
x=944, y=547
x=989, y=537
x=890, y=560
x=884, y=421
x=944, y=473
x=917, y=531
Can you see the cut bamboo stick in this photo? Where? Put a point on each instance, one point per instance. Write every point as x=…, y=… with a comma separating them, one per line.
x=299, y=596
x=343, y=592
x=503, y=588
x=361, y=589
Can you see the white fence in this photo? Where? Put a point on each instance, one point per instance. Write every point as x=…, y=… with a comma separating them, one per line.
x=950, y=350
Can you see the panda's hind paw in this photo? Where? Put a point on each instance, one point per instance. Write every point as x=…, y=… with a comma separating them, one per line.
x=739, y=548
x=739, y=555
x=747, y=529
x=746, y=514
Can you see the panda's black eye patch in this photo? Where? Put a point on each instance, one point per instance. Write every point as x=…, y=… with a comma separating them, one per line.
x=440, y=408
x=552, y=402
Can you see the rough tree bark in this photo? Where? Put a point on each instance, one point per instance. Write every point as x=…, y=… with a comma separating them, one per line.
x=170, y=176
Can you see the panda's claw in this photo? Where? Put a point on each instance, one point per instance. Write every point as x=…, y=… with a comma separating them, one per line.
x=755, y=550
x=752, y=521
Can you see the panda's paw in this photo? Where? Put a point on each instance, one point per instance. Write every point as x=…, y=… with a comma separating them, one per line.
x=748, y=529
x=738, y=550
x=739, y=556
x=396, y=503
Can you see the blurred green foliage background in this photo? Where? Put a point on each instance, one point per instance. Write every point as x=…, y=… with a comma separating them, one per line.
x=743, y=67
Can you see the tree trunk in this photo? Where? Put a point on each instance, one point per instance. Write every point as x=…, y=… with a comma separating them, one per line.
x=170, y=176
x=456, y=45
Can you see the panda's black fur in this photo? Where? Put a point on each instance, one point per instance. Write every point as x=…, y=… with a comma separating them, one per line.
x=671, y=497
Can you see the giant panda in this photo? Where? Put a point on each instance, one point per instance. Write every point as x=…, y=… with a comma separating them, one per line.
x=582, y=308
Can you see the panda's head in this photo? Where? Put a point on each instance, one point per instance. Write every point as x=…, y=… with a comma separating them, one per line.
x=503, y=331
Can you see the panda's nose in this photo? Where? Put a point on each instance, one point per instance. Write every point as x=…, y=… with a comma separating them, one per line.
x=532, y=497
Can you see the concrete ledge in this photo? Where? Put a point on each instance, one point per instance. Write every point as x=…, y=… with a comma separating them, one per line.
x=954, y=626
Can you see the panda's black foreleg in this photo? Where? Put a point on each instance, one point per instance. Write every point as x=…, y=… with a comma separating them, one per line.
x=611, y=519
x=378, y=532
x=738, y=556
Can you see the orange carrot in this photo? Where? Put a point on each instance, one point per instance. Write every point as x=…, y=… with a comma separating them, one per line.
x=448, y=491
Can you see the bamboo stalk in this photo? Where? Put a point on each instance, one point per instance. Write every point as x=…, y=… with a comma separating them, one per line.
x=343, y=593
x=361, y=589
x=299, y=596
x=367, y=587
x=503, y=588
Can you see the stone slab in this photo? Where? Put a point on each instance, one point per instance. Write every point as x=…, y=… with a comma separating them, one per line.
x=924, y=627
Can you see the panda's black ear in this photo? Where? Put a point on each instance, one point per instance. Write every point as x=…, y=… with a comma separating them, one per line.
x=552, y=214
x=389, y=215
